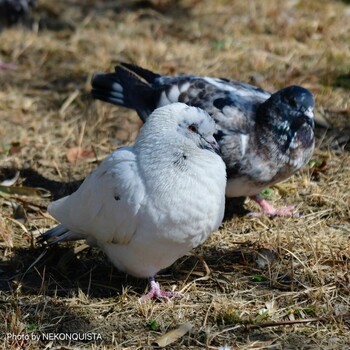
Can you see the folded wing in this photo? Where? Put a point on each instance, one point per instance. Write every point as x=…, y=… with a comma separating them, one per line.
x=105, y=207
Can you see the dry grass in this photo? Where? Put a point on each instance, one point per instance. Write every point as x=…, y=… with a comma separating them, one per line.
x=255, y=271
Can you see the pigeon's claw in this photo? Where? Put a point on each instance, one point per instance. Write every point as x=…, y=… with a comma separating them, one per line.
x=269, y=210
x=156, y=293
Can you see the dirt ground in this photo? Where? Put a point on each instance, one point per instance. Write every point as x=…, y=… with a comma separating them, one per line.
x=258, y=283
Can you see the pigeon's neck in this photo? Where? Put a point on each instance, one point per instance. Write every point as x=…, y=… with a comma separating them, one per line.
x=175, y=158
x=280, y=149
x=265, y=134
x=158, y=155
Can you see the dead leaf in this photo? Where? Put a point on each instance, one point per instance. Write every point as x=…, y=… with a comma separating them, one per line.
x=264, y=257
x=173, y=335
x=19, y=214
x=291, y=316
x=75, y=154
x=15, y=148
x=340, y=309
x=270, y=307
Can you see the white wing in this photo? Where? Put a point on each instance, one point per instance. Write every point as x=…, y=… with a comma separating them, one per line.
x=106, y=205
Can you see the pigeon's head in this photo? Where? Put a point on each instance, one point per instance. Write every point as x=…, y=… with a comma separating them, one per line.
x=190, y=125
x=288, y=115
x=196, y=125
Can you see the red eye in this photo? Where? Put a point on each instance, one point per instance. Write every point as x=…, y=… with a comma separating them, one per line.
x=192, y=128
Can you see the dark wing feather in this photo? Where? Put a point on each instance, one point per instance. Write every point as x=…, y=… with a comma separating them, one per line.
x=231, y=103
x=125, y=88
x=143, y=73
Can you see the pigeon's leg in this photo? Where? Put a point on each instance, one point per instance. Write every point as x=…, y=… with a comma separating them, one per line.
x=268, y=209
x=156, y=293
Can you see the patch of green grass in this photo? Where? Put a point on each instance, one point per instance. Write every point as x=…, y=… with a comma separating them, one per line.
x=305, y=312
x=260, y=318
x=259, y=278
x=218, y=45
x=315, y=162
x=32, y=327
x=267, y=193
x=153, y=325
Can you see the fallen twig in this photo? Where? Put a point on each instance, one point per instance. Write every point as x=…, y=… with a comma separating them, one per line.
x=291, y=322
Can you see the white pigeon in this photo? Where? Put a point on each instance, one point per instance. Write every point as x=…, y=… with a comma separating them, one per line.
x=148, y=205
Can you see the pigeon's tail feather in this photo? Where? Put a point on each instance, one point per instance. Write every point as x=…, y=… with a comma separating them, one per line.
x=59, y=233
x=145, y=74
x=127, y=88
x=108, y=88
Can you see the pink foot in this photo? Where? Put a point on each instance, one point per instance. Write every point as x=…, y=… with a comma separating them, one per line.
x=156, y=293
x=268, y=209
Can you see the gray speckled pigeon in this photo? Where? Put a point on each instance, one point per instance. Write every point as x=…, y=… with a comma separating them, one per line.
x=264, y=138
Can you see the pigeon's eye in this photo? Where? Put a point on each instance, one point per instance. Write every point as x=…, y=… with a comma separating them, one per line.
x=193, y=128
x=292, y=102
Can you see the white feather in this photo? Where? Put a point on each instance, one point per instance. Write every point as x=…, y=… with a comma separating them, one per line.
x=244, y=142
x=238, y=91
x=170, y=96
x=140, y=208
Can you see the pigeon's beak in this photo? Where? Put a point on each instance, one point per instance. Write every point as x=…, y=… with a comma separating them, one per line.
x=211, y=144
x=309, y=117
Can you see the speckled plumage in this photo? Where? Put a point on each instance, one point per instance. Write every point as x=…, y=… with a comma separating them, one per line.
x=264, y=138
x=148, y=205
